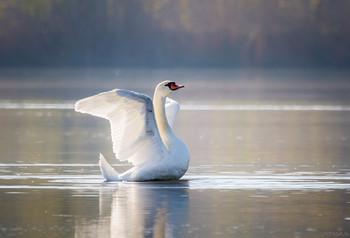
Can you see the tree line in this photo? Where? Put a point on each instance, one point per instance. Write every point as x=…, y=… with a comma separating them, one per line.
x=161, y=33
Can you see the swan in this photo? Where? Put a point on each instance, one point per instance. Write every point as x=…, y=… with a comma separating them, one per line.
x=142, y=133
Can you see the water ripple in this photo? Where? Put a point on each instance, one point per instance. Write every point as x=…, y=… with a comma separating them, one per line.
x=223, y=178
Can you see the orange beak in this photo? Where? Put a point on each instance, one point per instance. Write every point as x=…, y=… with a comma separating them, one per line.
x=175, y=87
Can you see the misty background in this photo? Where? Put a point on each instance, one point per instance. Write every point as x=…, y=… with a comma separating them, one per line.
x=265, y=113
x=175, y=33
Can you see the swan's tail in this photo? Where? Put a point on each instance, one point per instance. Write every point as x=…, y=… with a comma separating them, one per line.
x=107, y=171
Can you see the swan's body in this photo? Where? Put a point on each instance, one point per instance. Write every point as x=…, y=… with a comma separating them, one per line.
x=141, y=133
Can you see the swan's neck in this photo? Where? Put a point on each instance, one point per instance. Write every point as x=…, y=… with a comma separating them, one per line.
x=165, y=130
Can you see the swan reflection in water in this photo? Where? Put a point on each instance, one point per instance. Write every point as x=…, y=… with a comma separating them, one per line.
x=154, y=209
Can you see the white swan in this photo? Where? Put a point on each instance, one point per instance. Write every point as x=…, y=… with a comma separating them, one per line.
x=141, y=133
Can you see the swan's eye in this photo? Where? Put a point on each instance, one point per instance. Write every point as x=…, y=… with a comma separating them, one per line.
x=170, y=84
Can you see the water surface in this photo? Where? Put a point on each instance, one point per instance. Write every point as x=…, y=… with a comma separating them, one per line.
x=269, y=157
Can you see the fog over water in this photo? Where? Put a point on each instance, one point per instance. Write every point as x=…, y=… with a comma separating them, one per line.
x=269, y=156
x=265, y=113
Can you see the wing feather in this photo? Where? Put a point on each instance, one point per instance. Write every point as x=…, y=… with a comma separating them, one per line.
x=134, y=130
x=171, y=109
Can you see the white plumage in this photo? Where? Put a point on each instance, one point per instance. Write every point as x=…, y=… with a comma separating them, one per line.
x=141, y=132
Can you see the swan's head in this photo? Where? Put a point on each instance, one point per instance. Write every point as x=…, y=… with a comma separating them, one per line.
x=166, y=87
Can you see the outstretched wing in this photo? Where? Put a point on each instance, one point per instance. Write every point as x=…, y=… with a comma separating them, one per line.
x=135, y=133
x=171, y=109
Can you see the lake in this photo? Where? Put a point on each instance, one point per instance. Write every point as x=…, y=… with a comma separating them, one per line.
x=269, y=156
